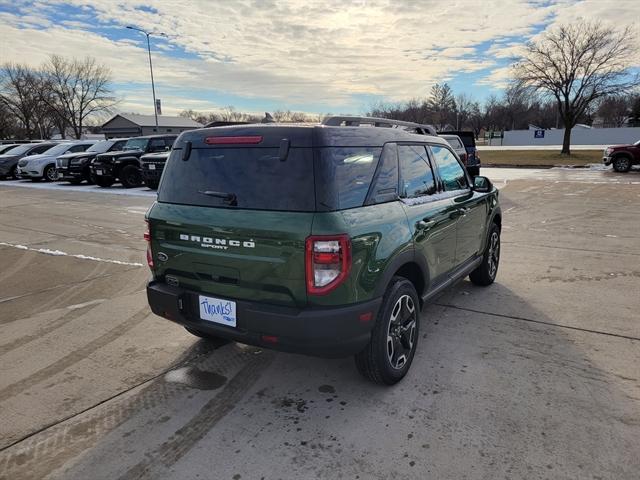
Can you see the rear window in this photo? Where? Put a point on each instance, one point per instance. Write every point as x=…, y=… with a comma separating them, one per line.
x=251, y=178
x=468, y=140
x=256, y=178
x=454, y=142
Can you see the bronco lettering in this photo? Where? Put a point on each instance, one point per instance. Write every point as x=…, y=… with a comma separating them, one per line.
x=221, y=243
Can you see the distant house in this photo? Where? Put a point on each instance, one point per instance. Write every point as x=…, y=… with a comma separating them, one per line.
x=129, y=125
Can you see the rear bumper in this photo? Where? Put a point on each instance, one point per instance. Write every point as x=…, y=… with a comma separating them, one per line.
x=324, y=332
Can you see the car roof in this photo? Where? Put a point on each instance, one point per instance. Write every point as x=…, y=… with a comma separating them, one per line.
x=307, y=135
x=173, y=135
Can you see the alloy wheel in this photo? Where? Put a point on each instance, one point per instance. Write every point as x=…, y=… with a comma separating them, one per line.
x=494, y=254
x=401, y=332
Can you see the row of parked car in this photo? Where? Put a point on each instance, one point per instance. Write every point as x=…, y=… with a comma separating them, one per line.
x=130, y=161
x=133, y=161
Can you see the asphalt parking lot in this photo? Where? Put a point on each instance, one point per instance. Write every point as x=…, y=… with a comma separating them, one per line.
x=537, y=376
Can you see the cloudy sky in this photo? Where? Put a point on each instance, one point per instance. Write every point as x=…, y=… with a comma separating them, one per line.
x=335, y=56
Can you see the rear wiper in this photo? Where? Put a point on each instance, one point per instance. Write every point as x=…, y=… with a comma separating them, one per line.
x=229, y=198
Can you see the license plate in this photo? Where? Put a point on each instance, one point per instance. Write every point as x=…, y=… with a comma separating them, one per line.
x=152, y=166
x=98, y=172
x=218, y=311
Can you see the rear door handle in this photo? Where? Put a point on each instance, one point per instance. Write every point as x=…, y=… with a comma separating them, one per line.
x=425, y=224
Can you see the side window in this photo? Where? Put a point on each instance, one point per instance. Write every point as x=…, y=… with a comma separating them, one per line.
x=169, y=141
x=156, y=145
x=451, y=172
x=415, y=171
x=385, y=185
x=78, y=148
x=116, y=147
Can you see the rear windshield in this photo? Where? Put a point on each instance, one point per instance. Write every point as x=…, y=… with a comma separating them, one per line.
x=454, y=142
x=327, y=179
x=251, y=178
x=468, y=139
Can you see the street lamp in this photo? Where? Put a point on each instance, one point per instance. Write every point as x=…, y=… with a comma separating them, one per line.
x=153, y=88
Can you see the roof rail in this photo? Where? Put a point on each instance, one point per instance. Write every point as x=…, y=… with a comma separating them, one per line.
x=350, y=121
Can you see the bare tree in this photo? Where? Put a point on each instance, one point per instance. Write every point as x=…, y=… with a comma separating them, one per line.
x=577, y=64
x=21, y=95
x=442, y=104
x=614, y=110
x=79, y=89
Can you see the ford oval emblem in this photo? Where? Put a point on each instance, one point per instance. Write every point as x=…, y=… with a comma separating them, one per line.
x=163, y=257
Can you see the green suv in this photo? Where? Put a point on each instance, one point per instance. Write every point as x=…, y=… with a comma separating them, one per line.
x=317, y=239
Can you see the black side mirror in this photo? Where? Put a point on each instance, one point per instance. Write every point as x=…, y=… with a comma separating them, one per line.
x=482, y=184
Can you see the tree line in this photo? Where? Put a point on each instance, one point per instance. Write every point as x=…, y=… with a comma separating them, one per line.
x=231, y=114
x=515, y=109
x=62, y=94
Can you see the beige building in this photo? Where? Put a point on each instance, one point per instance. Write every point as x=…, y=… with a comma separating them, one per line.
x=129, y=125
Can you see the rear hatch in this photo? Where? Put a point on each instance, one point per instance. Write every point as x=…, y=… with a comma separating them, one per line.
x=231, y=220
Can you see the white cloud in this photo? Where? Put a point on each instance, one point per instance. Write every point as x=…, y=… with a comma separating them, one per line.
x=300, y=52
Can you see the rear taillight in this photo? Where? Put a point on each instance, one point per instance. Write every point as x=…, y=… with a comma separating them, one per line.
x=327, y=262
x=147, y=237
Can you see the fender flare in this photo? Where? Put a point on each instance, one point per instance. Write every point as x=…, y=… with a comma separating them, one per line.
x=408, y=256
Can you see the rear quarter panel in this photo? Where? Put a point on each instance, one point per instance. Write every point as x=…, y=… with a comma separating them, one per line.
x=379, y=233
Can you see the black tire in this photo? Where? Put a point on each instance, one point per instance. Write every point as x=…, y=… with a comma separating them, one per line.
x=152, y=184
x=12, y=173
x=212, y=339
x=91, y=179
x=104, y=182
x=486, y=273
x=622, y=164
x=130, y=176
x=50, y=174
x=388, y=356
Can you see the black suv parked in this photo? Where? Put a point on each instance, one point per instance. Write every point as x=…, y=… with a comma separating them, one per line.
x=74, y=167
x=107, y=168
x=472, y=161
x=317, y=239
x=152, y=167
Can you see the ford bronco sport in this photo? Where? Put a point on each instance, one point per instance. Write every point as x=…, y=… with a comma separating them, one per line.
x=317, y=239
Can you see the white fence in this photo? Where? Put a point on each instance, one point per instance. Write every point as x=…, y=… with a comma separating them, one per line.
x=579, y=136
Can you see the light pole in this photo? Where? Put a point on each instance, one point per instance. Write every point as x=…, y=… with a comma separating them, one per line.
x=153, y=88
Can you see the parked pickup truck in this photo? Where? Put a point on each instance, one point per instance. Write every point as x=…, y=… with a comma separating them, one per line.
x=472, y=160
x=622, y=157
x=124, y=166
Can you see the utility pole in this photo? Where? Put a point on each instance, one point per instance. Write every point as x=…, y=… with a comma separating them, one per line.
x=153, y=87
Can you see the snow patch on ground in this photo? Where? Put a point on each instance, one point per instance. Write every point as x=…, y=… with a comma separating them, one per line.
x=59, y=253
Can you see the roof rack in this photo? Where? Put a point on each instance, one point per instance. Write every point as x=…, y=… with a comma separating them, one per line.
x=349, y=121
